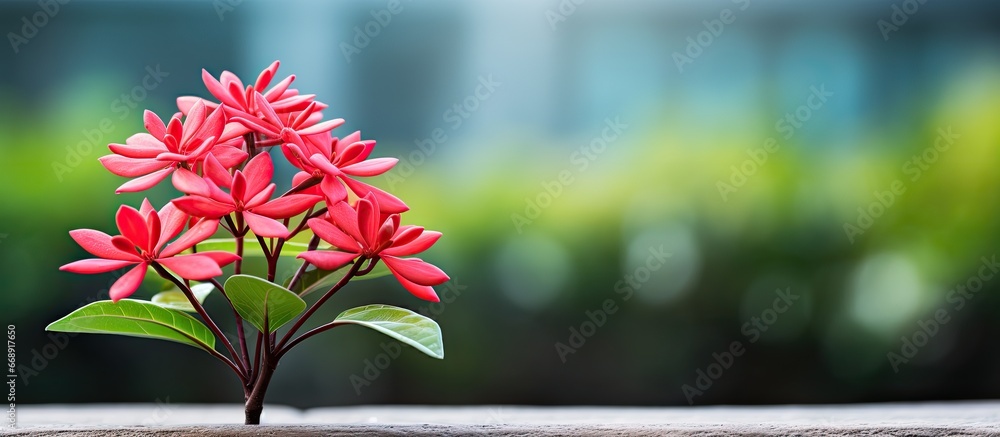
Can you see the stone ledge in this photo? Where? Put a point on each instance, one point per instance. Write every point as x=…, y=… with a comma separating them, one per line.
x=919, y=419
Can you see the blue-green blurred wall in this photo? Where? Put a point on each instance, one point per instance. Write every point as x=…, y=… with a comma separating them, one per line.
x=520, y=289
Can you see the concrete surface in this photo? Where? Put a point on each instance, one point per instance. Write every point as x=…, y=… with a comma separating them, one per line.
x=163, y=419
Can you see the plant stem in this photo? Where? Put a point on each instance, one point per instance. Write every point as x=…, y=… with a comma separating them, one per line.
x=340, y=284
x=240, y=371
x=311, y=182
x=313, y=244
x=239, y=325
x=255, y=401
x=251, y=147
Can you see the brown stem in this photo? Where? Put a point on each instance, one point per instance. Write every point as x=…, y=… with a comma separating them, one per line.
x=340, y=284
x=255, y=401
x=240, y=370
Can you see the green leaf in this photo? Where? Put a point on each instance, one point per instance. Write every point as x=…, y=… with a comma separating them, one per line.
x=257, y=300
x=250, y=246
x=136, y=318
x=318, y=280
x=399, y=323
x=176, y=300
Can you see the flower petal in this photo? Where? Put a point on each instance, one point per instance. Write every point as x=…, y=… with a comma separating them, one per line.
x=371, y=167
x=368, y=216
x=318, y=128
x=153, y=124
x=287, y=206
x=387, y=202
x=415, y=270
x=173, y=220
x=133, y=226
x=95, y=265
x=423, y=242
x=145, y=182
x=198, y=233
x=265, y=226
x=228, y=156
x=193, y=266
x=203, y=207
x=99, y=244
x=131, y=167
x=346, y=218
x=128, y=283
x=220, y=257
x=333, y=235
x=187, y=182
x=258, y=173
x=328, y=259
x=424, y=292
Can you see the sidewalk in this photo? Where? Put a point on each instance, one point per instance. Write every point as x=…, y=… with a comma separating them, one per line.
x=930, y=419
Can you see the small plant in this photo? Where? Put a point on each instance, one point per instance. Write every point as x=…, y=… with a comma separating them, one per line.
x=218, y=156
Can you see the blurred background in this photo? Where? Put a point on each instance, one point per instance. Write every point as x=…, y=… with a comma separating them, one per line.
x=629, y=191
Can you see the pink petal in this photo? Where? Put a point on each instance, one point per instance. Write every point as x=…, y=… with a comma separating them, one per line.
x=324, y=164
x=387, y=202
x=260, y=198
x=131, y=167
x=333, y=235
x=333, y=189
x=95, y=265
x=424, y=292
x=368, y=222
x=215, y=171
x=228, y=156
x=99, y=244
x=232, y=130
x=187, y=182
x=155, y=227
x=195, y=118
x=371, y=167
x=328, y=259
x=202, y=207
x=239, y=189
x=193, y=266
x=173, y=221
x=220, y=257
x=424, y=241
x=153, y=124
x=185, y=103
x=415, y=270
x=217, y=90
x=198, y=233
x=278, y=89
x=257, y=125
x=325, y=126
x=146, y=207
x=265, y=109
x=346, y=218
x=287, y=206
x=265, y=76
x=128, y=283
x=145, y=182
x=132, y=225
x=258, y=173
x=265, y=226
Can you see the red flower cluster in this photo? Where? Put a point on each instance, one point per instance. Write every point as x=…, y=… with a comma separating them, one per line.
x=218, y=154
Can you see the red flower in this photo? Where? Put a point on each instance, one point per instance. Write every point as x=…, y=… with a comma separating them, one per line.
x=265, y=120
x=336, y=160
x=143, y=239
x=249, y=194
x=151, y=157
x=363, y=230
x=239, y=98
